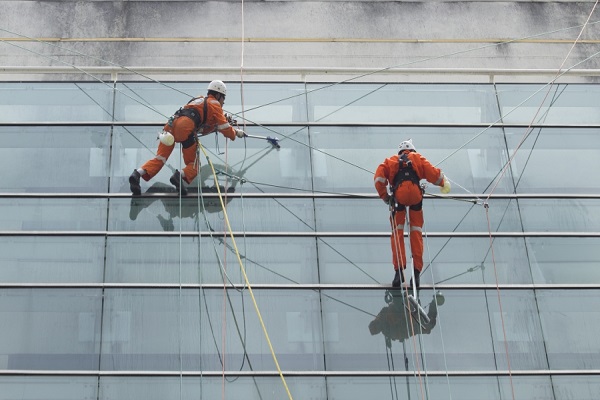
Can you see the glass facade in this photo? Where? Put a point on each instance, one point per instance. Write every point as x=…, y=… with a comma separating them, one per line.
x=108, y=296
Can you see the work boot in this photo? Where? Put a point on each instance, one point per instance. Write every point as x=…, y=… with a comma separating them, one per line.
x=177, y=181
x=134, y=183
x=398, y=279
x=417, y=278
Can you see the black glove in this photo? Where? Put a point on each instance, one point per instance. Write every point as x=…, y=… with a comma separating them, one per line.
x=404, y=157
x=390, y=201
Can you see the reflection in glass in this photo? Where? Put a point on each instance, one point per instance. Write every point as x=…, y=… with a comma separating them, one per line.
x=55, y=159
x=571, y=321
x=50, y=329
x=61, y=259
x=210, y=260
x=172, y=330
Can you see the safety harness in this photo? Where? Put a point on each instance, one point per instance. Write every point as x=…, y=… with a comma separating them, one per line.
x=192, y=114
x=406, y=173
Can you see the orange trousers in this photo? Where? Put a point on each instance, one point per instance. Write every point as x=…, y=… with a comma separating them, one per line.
x=408, y=195
x=181, y=130
x=416, y=238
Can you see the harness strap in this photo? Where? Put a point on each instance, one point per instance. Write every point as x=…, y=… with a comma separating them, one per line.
x=405, y=173
x=192, y=114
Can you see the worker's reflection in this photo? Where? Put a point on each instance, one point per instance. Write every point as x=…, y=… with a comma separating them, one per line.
x=190, y=206
x=392, y=319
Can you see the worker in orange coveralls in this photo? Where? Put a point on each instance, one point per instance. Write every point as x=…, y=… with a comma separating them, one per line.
x=403, y=173
x=201, y=115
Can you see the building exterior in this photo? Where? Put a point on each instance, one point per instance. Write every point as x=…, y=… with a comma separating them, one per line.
x=108, y=296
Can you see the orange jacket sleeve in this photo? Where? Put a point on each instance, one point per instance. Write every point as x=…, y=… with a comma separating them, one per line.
x=215, y=120
x=384, y=173
x=425, y=170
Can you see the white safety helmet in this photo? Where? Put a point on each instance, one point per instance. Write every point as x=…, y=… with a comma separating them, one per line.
x=406, y=145
x=218, y=86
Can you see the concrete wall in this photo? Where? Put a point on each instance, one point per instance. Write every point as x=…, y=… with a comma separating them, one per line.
x=297, y=34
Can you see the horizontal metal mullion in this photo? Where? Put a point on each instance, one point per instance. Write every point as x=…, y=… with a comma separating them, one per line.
x=307, y=124
x=324, y=374
x=294, y=286
x=294, y=234
x=476, y=197
x=305, y=72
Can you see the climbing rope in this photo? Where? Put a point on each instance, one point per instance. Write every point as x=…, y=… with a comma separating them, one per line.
x=250, y=291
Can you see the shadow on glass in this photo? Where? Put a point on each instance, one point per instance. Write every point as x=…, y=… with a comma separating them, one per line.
x=190, y=207
x=400, y=319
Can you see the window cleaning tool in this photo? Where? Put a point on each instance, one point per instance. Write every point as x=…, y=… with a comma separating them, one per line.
x=272, y=140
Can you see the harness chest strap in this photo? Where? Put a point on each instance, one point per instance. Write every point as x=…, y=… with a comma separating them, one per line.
x=192, y=114
x=405, y=173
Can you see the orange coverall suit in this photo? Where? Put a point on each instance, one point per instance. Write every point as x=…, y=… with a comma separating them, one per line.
x=183, y=130
x=408, y=194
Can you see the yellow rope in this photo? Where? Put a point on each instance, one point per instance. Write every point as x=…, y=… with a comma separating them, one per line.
x=237, y=253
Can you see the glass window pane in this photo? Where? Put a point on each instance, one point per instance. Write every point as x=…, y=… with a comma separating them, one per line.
x=256, y=388
x=564, y=260
x=461, y=315
x=401, y=103
x=449, y=260
x=248, y=166
x=151, y=101
x=267, y=103
x=167, y=260
x=439, y=388
x=345, y=158
x=50, y=329
x=571, y=321
x=55, y=101
x=263, y=103
x=187, y=326
x=53, y=214
x=440, y=215
x=48, y=387
x=517, y=331
x=576, y=387
x=51, y=259
x=55, y=159
x=560, y=215
x=363, y=260
x=248, y=214
x=556, y=104
x=535, y=165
